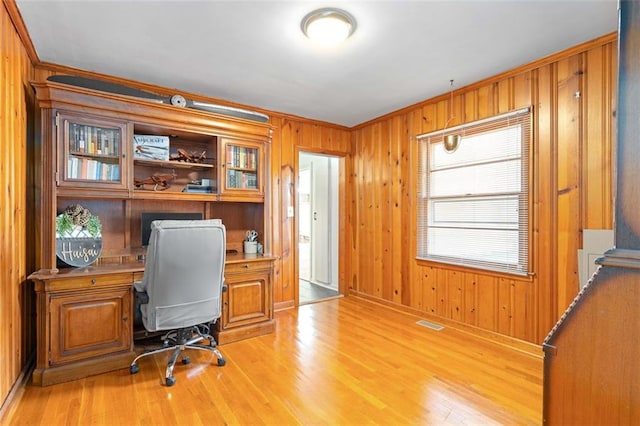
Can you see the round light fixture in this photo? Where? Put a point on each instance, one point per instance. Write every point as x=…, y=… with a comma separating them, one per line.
x=328, y=26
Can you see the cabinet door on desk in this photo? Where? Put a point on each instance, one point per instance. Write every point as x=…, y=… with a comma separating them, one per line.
x=246, y=301
x=90, y=324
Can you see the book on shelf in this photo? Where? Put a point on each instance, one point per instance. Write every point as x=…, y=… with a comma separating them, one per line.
x=241, y=157
x=93, y=140
x=231, y=179
x=203, y=189
x=151, y=147
x=90, y=169
x=238, y=179
x=252, y=181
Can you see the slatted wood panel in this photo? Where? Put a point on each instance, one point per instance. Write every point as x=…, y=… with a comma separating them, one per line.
x=572, y=95
x=17, y=338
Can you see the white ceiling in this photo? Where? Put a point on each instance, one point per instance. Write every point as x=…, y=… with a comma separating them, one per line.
x=253, y=52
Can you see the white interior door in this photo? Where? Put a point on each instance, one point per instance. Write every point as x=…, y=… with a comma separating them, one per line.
x=305, y=215
x=318, y=219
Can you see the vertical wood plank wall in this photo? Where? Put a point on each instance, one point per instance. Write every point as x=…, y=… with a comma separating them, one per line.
x=17, y=316
x=573, y=98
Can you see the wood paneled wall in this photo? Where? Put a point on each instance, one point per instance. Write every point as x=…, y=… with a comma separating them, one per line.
x=17, y=314
x=573, y=98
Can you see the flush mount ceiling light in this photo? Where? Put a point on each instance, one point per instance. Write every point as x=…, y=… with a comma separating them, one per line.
x=328, y=26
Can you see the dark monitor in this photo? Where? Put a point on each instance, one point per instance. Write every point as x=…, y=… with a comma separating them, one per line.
x=147, y=218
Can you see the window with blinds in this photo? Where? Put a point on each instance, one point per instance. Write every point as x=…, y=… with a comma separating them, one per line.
x=473, y=203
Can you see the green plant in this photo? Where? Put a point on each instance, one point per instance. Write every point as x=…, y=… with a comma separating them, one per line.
x=63, y=224
x=94, y=226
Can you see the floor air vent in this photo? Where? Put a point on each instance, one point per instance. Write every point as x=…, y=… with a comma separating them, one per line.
x=431, y=325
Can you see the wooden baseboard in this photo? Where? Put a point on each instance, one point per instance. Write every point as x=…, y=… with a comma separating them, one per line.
x=81, y=369
x=245, y=332
x=497, y=338
x=281, y=306
x=14, y=396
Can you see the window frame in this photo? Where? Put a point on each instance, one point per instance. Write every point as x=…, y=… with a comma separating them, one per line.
x=424, y=227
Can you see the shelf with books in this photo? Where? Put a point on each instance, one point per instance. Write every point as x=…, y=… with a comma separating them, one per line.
x=241, y=175
x=239, y=179
x=241, y=157
x=167, y=160
x=92, y=139
x=93, y=169
x=92, y=152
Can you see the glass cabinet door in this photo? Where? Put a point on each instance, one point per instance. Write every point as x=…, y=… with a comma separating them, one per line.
x=242, y=171
x=242, y=167
x=92, y=152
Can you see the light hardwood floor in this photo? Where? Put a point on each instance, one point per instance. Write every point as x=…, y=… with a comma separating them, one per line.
x=343, y=361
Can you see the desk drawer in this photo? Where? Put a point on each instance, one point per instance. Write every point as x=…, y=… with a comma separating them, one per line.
x=246, y=267
x=88, y=281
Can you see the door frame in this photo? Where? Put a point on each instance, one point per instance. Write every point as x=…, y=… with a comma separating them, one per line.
x=342, y=218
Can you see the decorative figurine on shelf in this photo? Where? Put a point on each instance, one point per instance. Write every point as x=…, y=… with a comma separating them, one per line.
x=160, y=182
x=78, y=236
x=188, y=157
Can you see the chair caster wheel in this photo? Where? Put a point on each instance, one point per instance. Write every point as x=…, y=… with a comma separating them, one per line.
x=134, y=369
x=221, y=362
x=186, y=360
x=170, y=381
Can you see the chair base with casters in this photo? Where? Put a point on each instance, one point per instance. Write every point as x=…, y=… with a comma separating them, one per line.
x=178, y=341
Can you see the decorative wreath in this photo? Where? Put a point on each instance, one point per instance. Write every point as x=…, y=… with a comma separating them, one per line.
x=75, y=217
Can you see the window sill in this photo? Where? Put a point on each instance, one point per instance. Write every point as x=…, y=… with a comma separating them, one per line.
x=421, y=261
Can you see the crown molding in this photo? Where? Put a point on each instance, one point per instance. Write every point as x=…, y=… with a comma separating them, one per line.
x=16, y=19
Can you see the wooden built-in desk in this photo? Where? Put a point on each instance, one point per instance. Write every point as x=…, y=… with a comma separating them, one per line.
x=85, y=316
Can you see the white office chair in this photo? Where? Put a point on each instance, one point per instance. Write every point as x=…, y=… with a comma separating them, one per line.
x=182, y=287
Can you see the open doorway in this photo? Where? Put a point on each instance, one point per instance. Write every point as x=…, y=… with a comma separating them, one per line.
x=317, y=227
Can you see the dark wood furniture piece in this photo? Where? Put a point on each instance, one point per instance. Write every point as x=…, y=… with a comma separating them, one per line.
x=87, y=155
x=592, y=356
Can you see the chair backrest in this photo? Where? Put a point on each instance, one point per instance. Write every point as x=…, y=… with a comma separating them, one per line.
x=184, y=273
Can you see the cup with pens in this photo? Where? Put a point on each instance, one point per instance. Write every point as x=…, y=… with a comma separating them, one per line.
x=251, y=242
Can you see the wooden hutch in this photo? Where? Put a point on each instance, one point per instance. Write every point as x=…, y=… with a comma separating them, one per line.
x=86, y=155
x=592, y=355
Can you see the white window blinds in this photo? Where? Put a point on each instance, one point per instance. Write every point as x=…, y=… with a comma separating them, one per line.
x=473, y=203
